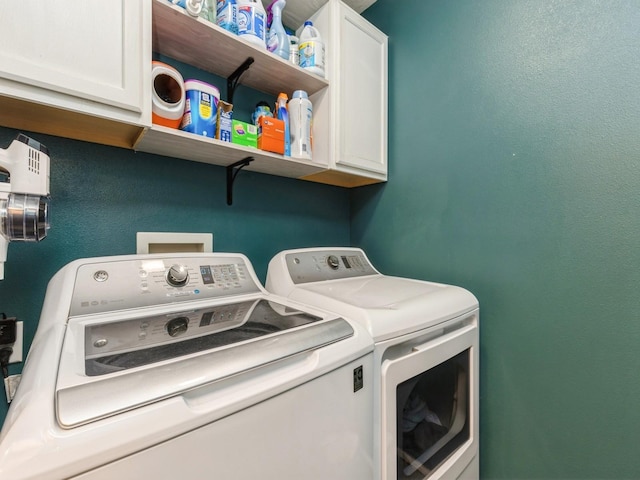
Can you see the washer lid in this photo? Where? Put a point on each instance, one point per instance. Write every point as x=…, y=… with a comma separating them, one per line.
x=125, y=377
x=388, y=306
x=376, y=291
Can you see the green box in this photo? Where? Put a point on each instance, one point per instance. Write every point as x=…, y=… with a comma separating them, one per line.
x=243, y=133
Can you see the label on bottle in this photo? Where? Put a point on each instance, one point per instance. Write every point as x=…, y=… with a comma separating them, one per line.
x=311, y=54
x=250, y=22
x=272, y=40
x=227, y=15
x=205, y=107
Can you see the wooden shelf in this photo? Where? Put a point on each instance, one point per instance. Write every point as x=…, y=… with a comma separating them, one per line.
x=188, y=146
x=204, y=45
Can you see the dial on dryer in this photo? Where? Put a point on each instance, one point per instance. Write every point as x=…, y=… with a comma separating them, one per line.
x=333, y=262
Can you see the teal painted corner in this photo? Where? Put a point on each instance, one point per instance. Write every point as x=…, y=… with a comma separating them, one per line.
x=514, y=155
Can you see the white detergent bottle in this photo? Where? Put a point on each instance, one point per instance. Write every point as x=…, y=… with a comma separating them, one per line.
x=278, y=41
x=252, y=22
x=311, y=49
x=300, y=115
x=227, y=15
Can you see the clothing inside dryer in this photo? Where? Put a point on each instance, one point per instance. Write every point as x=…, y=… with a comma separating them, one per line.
x=432, y=417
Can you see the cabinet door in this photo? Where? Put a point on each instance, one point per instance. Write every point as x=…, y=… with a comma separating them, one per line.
x=362, y=98
x=63, y=53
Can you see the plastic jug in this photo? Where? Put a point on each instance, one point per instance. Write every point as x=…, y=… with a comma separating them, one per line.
x=311, y=49
x=252, y=22
x=294, y=54
x=227, y=15
x=278, y=41
x=300, y=114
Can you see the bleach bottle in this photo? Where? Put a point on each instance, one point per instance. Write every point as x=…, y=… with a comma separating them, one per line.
x=252, y=22
x=311, y=49
x=278, y=41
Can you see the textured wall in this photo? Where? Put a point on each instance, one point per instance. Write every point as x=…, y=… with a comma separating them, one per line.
x=102, y=196
x=515, y=172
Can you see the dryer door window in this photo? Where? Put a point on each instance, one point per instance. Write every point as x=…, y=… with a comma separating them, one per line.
x=432, y=417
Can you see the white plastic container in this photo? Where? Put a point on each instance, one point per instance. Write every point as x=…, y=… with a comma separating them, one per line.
x=201, y=108
x=311, y=49
x=227, y=15
x=168, y=95
x=252, y=22
x=300, y=115
x=294, y=54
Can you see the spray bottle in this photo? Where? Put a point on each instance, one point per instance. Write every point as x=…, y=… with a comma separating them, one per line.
x=282, y=113
x=278, y=41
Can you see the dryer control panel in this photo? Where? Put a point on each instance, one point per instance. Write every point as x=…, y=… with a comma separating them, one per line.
x=145, y=281
x=316, y=265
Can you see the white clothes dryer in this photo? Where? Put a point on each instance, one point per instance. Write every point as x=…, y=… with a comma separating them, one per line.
x=426, y=357
x=160, y=366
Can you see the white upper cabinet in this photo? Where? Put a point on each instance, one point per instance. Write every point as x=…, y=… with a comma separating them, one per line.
x=83, y=56
x=350, y=116
x=82, y=69
x=297, y=11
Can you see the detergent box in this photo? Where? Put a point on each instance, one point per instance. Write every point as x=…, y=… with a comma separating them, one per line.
x=224, y=119
x=243, y=133
x=271, y=134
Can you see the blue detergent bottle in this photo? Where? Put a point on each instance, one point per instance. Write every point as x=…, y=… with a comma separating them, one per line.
x=227, y=15
x=282, y=113
x=278, y=40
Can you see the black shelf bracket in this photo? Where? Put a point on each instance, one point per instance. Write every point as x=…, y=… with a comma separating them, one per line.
x=232, y=173
x=232, y=80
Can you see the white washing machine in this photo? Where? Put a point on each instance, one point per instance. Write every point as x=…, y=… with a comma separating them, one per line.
x=165, y=367
x=426, y=357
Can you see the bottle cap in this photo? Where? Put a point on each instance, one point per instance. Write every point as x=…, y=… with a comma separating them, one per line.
x=308, y=22
x=300, y=94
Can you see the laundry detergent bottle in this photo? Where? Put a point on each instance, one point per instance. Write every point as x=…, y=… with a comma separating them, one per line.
x=227, y=15
x=278, y=41
x=252, y=22
x=311, y=49
x=300, y=116
x=282, y=113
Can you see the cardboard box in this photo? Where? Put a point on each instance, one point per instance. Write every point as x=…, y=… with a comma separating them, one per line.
x=224, y=121
x=243, y=133
x=271, y=134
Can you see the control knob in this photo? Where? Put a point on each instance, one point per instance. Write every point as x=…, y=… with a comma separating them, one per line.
x=177, y=326
x=177, y=275
x=333, y=262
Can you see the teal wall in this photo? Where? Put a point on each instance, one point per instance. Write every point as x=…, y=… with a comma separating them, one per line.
x=102, y=196
x=514, y=153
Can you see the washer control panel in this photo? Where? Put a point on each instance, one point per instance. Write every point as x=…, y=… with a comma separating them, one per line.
x=143, y=332
x=139, y=282
x=318, y=265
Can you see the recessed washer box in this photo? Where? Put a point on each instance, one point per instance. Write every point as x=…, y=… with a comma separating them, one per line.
x=173, y=242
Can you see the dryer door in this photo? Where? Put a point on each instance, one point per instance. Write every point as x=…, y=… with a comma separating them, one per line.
x=429, y=405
